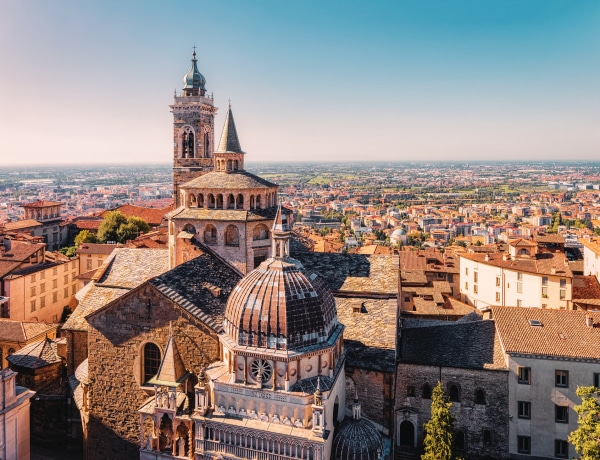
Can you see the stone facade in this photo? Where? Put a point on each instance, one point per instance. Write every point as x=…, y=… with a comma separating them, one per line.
x=119, y=333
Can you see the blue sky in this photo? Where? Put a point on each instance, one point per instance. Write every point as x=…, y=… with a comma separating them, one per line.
x=90, y=81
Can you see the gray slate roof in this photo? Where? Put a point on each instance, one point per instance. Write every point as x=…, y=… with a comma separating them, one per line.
x=38, y=354
x=468, y=344
x=222, y=182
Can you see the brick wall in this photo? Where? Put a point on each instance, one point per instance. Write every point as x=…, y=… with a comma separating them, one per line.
x=116, y=339
x=77, y=349
x=375, y=393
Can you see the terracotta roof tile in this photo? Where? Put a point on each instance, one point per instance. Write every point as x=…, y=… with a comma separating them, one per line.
x=543, y=263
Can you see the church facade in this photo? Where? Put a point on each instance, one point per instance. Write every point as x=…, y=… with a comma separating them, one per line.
x=235, y=351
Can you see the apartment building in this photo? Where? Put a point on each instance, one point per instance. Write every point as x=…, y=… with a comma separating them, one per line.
x=521, y=277
x=591, y=257
x=549, y=353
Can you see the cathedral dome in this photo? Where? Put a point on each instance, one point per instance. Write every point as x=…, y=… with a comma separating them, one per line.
x=357, y=439
x=194, y=79
x=280, y=305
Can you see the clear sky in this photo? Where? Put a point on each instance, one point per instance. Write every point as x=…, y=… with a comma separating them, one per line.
x=90, y=81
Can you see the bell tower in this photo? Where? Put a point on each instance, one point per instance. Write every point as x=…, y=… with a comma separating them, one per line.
x=193, y=129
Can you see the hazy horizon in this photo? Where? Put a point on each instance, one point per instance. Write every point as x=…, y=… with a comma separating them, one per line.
x=90, y=82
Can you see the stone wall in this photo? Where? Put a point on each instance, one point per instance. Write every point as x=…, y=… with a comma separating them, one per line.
x=77, y=349
x=470, y=418
x=116, y=339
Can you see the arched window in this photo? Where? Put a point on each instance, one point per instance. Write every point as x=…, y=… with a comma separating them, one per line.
x=190, y=229
x=426, y=392
x=151, y=361
x=454, y=392
x=239, y=202
x=235, y=165
x=187, y=143
x=211, y=201
x=479, y=396
x=206, y=145
x=219, y=201
x=232, y=236
x=523, y=252
x=459, y=440
x=192, y=201
x=200, y=200
x=260, y=232
x=252, y=204
x=210, y=234
x=230, y=201
x=258, y=200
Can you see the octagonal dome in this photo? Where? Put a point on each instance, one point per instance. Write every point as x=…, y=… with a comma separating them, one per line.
x=280, y=305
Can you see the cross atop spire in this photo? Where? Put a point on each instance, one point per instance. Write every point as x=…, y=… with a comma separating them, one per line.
x=230, y=142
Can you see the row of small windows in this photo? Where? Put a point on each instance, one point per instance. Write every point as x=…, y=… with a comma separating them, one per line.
x=230, y=201
x=561, y=447
x=453, y=393
x=561, y=377
x=33, y=276
x=561, y=413
x=231, y=235
x=188, y=144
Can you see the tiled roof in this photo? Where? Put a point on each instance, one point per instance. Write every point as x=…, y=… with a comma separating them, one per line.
x=223, y=182
x=42, y=204
x=95, y=248
x=123, y=270
x=23, y=331
x=592, y=245
x=585, y=287
x=153, y=216
x=234, y=215
x=87, y=224
x=417, y=260
x=542, y=264
x=20, y=251
x=200, y=286
x=21, y=224
x=553, y=238
x=353, y=272
x=468, y=344
x=370, y=332
x=36, y=355
x=563, y=333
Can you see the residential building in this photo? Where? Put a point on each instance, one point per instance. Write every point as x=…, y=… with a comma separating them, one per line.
x=14, y=417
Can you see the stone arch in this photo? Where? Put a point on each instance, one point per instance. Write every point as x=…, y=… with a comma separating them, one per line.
x=192, y=200
x=182, y=440
x=210, y=234
x=523, y=252
x=426, y=391
x=230, y=201
x=252, y=202
x=260, y=232
x=219, y=199
x=207, y=143
x=211, y=201
x=479, y=396
x=229, y=165
x=336, y=410
x=258, y=202
x=200, y=200
x=350, y=391
x=151, y=357
x=239, y=201
x=165, y=438
x=236, y=165
x=232, y=236
x=190, y=229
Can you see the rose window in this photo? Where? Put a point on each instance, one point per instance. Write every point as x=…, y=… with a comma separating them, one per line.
x=262, y=368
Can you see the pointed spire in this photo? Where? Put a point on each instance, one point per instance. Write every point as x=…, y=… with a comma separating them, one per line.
x=281, y=222
x=229, y=139
x=172, y=370
x=280, y=243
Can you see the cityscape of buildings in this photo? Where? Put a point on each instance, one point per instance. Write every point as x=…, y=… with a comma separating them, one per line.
x=295, y=310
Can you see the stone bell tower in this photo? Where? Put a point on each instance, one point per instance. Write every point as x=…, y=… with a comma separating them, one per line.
x=193, y=129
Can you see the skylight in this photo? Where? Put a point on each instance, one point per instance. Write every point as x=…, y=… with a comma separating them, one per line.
x=535, y=322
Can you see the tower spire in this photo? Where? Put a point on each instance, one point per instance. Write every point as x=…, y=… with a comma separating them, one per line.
x=229, y=139
x=281, y=235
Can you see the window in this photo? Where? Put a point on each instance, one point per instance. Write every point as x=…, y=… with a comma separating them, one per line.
x=524, y=409
x=73, y=289
x=479, y=396
x=562, y=294
x=519, y=287
x=475, y=290
x=66, y=292
x=88, y=264
x=466, y=286
x=32, y=278
x=459, y=440
x=561, y=414
x=54, y=284
x=475, y=276
x=544, y=281
x=66, y=279
x=450, y=277
x=596, y=380
x=519, y=276
x=426, y=393
x=497, y=297
x=454, y=393
x=407, y=299
x=42, y=288
x=561, y=378
x=497, y=281
x=519, y=303
x=487, y=436
x=410, y=390
x=151, y=361
x=32, y=293
x=524, y=375
x=42, y=275
x=73, y=264
x=545, y=292
x=466, y=270
x=65, y=267
x=54, y=271
x=54, y=297
x=563, y=283
x=32, y=305
x=561, y=448
x=524, y=444
x=42, y=302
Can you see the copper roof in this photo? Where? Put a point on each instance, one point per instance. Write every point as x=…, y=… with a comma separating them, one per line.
x=280, y=305
x=563, y=333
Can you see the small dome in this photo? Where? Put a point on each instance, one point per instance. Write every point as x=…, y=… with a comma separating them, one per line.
x=398, y=232
x=357, y=439
x=194, y=79
x=280, y=305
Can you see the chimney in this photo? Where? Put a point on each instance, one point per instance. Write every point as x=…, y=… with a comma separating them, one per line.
x=487, y=257
x=589, y=320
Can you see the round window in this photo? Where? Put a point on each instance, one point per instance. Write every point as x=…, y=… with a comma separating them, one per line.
x=262, y=367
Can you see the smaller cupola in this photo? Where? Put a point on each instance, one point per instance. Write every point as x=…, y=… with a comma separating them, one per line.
x=193, y=81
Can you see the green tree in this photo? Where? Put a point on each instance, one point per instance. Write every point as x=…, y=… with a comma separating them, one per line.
x=85, y=236
x=586, y=438
x=117, y=227
x=68, y=251
x=439, y=437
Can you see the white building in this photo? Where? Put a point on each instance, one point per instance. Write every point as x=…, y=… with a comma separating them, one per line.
x=549, y=353
x=591, y=258
x=521, y=277
x=14, y=417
